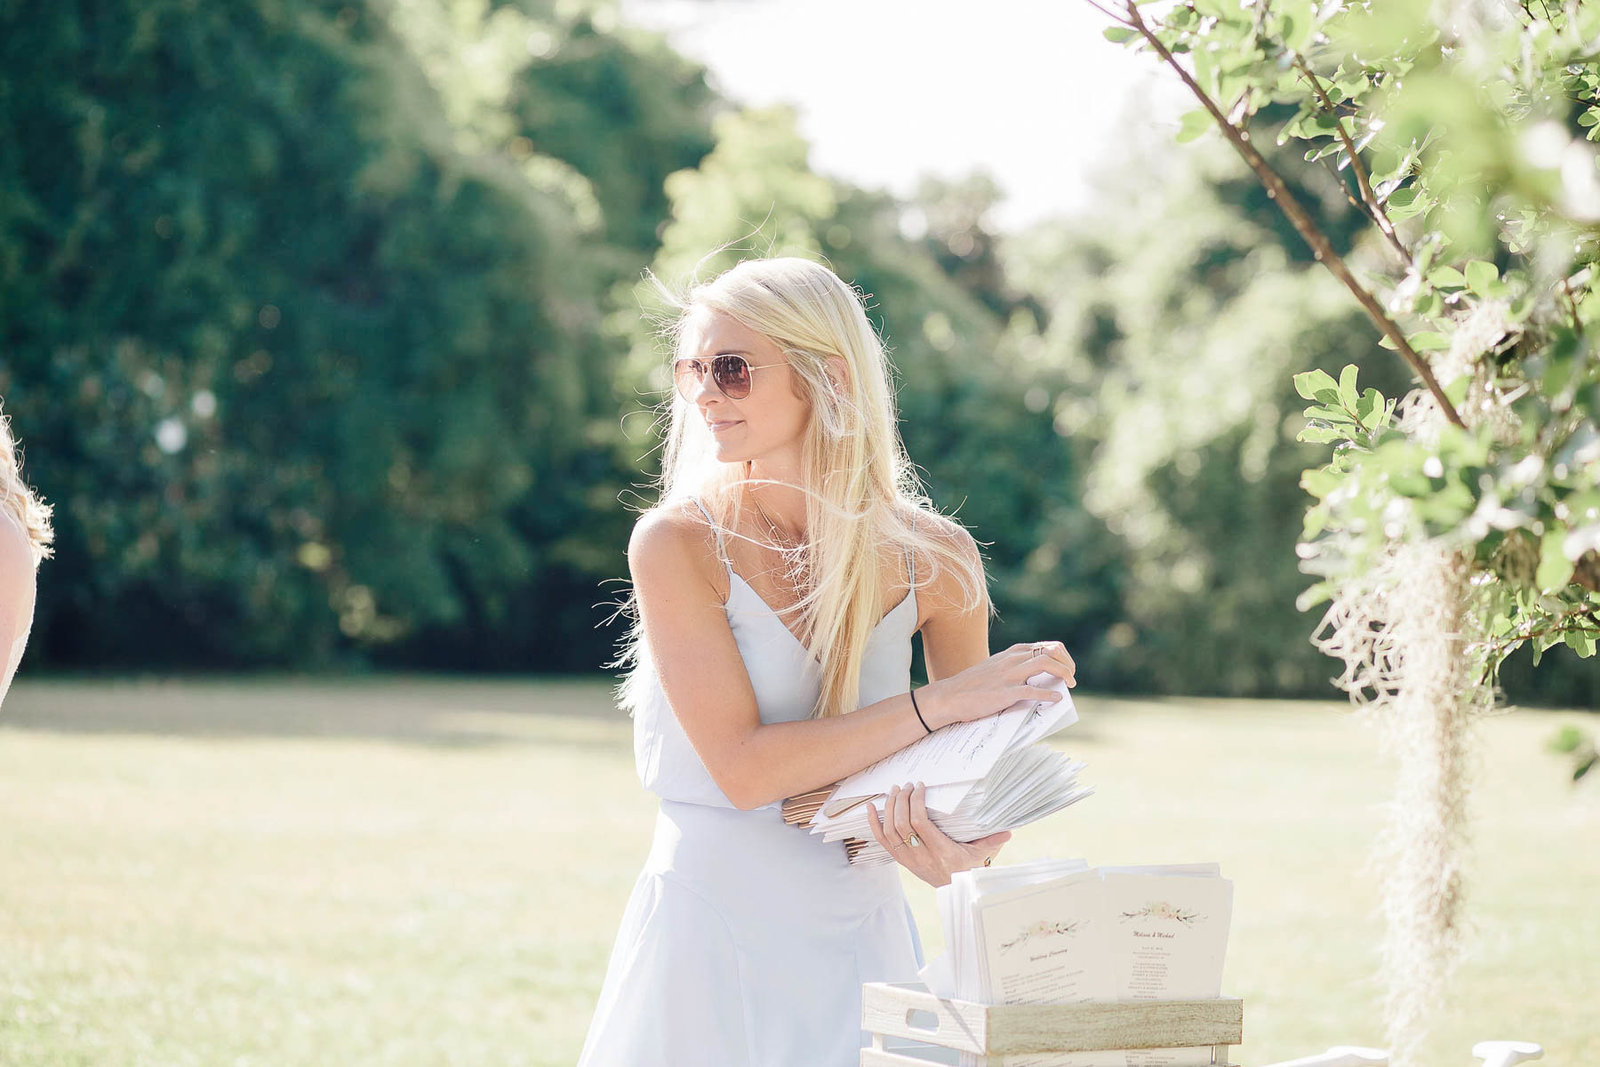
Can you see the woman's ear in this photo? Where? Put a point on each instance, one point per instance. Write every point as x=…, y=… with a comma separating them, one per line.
x=838, y=371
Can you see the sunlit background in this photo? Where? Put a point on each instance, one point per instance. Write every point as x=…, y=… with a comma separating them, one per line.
x=321, y=326
x=323, y=322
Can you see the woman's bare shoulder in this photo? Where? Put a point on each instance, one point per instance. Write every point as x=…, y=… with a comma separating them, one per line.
x=672, y=537
x=942, y=526
x=951, y=572
x=945, y=530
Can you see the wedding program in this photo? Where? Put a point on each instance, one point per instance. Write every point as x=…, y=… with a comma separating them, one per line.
x=1062, y=932
x=982, y=777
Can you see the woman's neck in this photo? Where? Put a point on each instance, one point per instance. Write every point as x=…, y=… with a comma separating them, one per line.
x=778, y=499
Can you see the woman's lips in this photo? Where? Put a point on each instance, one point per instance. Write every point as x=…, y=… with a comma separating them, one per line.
x=718, y=427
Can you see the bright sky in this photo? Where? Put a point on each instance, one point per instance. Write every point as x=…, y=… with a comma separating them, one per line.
x=888, y=90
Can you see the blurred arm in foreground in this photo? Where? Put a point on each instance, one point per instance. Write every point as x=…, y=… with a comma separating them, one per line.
x=25, y=537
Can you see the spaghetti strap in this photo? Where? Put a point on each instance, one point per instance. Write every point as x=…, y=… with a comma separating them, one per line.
x=911, y=560
x=722, y=551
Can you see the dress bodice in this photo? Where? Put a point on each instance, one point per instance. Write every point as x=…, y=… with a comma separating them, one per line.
x=786, y=678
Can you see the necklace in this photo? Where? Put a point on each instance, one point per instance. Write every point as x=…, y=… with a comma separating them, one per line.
x=782, y=542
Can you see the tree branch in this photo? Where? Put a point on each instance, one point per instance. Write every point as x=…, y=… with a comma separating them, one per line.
x=1363, y=180
x=1297, y=215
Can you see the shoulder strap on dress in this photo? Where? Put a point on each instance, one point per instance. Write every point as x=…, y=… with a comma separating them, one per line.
x=722, y=552
x=911, y=559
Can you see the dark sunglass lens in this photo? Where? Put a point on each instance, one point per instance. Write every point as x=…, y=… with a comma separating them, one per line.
x=732, y=375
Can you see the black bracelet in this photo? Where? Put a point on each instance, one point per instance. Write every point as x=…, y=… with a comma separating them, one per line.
x=912, y=693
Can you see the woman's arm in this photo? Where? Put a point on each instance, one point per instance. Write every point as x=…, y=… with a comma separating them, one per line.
x=952, y=640
x=16, y=593
x=704, y=678
x=953, y=636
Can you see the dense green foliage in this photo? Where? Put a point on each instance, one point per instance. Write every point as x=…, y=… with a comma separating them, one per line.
x=1462, y=137
x=320, y=324
x=308, y=352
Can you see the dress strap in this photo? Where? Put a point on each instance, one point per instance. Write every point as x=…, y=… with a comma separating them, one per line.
x=911, y=560
x=722, y=551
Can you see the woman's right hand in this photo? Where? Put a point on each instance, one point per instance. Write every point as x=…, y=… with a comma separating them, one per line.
x=996, y=683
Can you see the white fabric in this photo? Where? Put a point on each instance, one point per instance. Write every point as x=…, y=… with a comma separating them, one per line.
x=746, y=941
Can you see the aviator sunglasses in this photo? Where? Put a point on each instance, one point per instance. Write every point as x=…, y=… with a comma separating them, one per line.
x=729, y=373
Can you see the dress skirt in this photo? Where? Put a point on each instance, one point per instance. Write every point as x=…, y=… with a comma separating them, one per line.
x=745, y=944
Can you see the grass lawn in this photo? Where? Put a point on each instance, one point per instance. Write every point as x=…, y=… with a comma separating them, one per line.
x=424, y=871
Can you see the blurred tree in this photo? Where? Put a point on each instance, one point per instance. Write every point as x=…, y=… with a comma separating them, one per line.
x=1460, y=520
x=1174, y=317
x=955, y=218
x=306, y=366
x=1176, y=312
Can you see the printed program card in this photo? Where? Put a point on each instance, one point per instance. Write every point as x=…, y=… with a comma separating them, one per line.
x=1167, y=937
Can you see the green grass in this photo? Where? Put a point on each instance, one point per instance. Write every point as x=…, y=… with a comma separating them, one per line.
x=420, y=871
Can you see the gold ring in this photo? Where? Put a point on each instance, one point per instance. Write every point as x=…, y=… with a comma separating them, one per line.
x=988, y=860
x=914, y=841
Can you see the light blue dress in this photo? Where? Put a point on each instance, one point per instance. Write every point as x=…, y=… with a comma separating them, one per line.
x=746, y=940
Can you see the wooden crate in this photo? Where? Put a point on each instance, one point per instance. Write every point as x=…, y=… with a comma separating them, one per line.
x=909, y=1011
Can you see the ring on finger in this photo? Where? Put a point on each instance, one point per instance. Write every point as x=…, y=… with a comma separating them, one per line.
x=1038, y=650
x=914, y=841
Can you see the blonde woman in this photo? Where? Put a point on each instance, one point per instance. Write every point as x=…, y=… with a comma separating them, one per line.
x=25, y=538
x=778, y=583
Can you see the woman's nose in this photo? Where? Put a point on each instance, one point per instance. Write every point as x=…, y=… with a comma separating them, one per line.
x=702, y=389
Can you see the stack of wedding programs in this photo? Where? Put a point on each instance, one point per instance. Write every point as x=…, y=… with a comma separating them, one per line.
x=1062, y=932
x=982, y=777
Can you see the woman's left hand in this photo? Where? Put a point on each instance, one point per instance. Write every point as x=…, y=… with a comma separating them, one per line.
x=921, y=847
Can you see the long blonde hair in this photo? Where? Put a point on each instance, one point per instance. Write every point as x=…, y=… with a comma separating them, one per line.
x=863, y=500
x=21, y=502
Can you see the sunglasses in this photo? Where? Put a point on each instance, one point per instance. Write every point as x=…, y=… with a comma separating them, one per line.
x=729, y=373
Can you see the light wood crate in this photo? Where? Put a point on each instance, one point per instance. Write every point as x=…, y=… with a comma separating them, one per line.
x=895, y=1010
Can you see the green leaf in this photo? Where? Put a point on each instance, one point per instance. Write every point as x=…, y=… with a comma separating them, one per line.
x=1370, y=401
x=1311, y=382
x=1320, y=435
x=1580, y=643
x=1401, y=197
x=1316, y=520
x=1429, y=341
x=1320, y=481
x=1119, y=34
x=1193, y=124
x=1481, y=276
x=1347, y=386
x=1447, y=278
x=1566, y=740
x=1328, y=413
x=1555, y=569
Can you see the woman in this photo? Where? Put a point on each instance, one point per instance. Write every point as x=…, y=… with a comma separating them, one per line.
x=24, y=540
x=777, y=586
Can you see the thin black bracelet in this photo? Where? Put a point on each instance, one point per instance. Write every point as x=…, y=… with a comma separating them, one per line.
x=912, y=693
